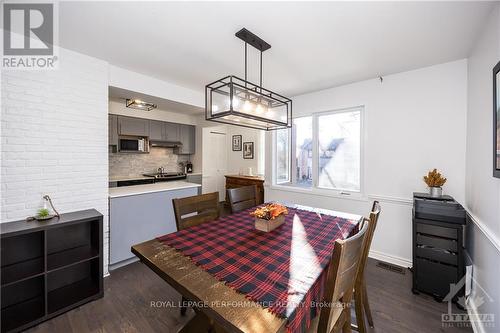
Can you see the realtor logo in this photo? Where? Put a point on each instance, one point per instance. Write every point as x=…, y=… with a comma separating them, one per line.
x=29, y=36
x=472, y=303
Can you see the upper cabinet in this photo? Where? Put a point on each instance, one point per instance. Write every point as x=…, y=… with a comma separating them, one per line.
x=133, y=126
x=163, y=131
x=187, y=138
x=112, y=130
x=157, y=131
x=172, y=132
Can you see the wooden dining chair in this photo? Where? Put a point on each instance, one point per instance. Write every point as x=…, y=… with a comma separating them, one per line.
x=241, y=198
x=341, y=276
x=361, y=304
x=195, y=210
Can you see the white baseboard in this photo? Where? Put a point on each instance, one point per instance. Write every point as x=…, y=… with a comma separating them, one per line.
x=390, y=259
x=477, y=326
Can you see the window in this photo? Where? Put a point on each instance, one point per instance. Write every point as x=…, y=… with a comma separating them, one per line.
x=282, y=156
x=327, y=151
x=339, y=150
x=302, y=135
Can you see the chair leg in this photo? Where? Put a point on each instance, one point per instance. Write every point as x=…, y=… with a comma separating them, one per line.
x=183, y=307
x=358, y=306
x=366, y=305
x=346, y=328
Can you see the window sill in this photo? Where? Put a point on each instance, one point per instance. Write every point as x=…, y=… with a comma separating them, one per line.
x=319, y=192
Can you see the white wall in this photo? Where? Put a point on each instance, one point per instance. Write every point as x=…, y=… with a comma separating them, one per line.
x=413, y=121
x=54, y=138
x=482, y=190
x=236, y=163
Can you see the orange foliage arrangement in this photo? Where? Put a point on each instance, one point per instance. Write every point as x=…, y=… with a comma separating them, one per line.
x=434, y=179
x=269, y=211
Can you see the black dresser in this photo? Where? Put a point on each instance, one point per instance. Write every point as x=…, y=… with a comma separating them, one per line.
x=438, y=244
x=49, y=267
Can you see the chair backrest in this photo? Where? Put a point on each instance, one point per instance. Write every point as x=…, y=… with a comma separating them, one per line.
x=241, y=198
x=374, y=215
x=196, y=210
x=341, y=277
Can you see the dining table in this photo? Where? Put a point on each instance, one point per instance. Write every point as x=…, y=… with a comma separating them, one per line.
x=240, y=279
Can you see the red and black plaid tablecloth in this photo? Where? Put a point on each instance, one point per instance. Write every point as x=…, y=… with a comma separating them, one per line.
x=283, y=270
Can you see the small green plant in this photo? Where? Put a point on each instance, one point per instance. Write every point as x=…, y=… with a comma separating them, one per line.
x=43, y=212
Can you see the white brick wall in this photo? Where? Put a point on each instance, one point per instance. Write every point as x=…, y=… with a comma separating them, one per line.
x=54, y=137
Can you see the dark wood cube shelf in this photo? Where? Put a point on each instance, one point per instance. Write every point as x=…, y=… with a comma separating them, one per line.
x=49, y=267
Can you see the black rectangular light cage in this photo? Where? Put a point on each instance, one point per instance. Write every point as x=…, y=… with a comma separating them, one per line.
x=234, y=101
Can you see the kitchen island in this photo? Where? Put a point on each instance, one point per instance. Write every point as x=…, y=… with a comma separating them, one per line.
x=142, y=212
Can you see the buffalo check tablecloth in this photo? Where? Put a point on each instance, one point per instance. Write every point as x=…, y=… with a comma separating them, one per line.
x=283, y=270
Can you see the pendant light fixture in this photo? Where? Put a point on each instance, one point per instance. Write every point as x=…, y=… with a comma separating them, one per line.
x=236, y=101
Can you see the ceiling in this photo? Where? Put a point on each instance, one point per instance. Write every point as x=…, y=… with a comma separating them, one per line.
x=120, y=94
x=314, y=45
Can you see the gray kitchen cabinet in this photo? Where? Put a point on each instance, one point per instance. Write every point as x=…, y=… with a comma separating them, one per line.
x=112, y=130
x=157, y=130
x=133, y=126
x=187, y=138
x=138, y=218
x=172, y=132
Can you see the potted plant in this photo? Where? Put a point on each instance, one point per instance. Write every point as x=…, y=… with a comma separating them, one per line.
x=435, y=181
x=269, y=217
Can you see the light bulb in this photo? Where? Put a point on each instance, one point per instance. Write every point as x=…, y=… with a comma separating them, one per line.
x=247, y=106
x=270, y=113
x=260, y=109
x=215, y=108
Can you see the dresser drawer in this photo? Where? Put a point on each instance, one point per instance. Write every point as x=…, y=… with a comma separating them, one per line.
x=437, y=255
x=442, y=243
x=435, y=230
x=435, y=278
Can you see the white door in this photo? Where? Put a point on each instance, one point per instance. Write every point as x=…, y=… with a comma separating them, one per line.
x=214, y=161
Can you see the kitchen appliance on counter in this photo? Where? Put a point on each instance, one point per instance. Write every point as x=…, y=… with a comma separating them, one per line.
x=166, y=176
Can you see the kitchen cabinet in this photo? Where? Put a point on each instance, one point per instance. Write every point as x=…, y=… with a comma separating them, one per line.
x=112, y=130
x=172, y=132
x=133, y=126
x=187, y=138
x=157, y=130
x=164, y=131
x=137, y=218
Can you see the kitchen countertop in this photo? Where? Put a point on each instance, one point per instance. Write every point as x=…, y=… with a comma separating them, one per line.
x=120, y=179
x=116, y=192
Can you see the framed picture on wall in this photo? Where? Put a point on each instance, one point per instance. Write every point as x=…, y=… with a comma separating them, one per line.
x=237, y=142
x=496, y=121
x=248, y=150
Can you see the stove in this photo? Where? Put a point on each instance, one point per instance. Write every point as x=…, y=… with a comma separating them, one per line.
x=166, y=176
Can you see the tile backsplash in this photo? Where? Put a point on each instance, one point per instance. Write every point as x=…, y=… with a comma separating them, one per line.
x=131, y=165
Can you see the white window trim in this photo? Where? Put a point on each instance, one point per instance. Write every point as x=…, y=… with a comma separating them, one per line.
x=314, y=189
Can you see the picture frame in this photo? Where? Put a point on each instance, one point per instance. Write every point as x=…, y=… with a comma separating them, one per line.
x=496, y=120
x=248, y=150
x=237, y=142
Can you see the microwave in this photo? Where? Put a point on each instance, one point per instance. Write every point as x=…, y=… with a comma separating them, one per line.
x=131, y=144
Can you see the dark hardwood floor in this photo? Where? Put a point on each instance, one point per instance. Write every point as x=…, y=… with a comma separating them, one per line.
x=129, y=291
